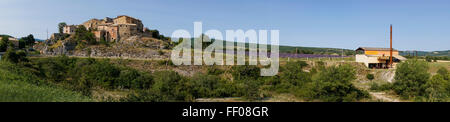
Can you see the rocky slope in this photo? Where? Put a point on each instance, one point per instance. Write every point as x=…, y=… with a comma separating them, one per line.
x=133, y=47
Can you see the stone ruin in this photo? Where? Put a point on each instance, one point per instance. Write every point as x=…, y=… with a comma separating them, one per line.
x=113, y=29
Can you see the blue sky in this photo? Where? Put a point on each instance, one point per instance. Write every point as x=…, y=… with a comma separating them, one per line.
x=418, y=25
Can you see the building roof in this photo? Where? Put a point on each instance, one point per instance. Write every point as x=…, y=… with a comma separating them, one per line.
x=127, y=17
x=399, y=57
x=375, y=49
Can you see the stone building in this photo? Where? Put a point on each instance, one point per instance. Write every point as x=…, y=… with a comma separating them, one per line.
x=115, y=29
x=377, y=57
x=70, y=29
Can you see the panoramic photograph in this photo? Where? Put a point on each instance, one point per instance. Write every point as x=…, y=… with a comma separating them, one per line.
x=224, y=51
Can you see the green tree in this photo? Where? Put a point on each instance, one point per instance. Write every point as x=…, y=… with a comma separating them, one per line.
x=335, y=85
x=14, y=56
x=4, y=43
x=428, y=58
x=82, y=34
x=164, y=81
x=293, y=76
x=444, y=72
x=437, y=89
x=22, y=44
x=245, y=72
x=155, y=34
x=28, y=40
x=61, y=27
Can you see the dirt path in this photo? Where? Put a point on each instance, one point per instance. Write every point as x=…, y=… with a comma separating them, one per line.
x=383, y=97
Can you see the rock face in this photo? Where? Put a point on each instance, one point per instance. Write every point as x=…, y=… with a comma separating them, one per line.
x=117, y=52
x=133, y=47
x=64, y=48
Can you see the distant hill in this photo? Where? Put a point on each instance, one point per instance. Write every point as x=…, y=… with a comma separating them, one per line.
x=426, y=53
x=300, y=50
x=40, y=40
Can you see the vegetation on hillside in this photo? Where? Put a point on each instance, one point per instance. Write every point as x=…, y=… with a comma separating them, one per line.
x=19, y=84
x=413, y=82
x=4, y=43
x=86, y=76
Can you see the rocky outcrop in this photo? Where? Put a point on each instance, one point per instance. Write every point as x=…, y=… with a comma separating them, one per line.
x=59, y=48
x=134, y=47
x=118, y=52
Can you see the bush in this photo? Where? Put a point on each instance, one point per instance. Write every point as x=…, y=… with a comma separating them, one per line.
x=84, y=74
x=4, y=43
x=165, y=81
x=293, y=76
x=15, y=56
x=334, y=85
x=437, y=89
x=444, y=73
x=145, y=96
x=28, y=40
x=411, y=76
x=82, y=34
x=370, y=76
x=246, y=72
x=214, y=71
x=160, y=52
x=165, y=63
x=206, y=86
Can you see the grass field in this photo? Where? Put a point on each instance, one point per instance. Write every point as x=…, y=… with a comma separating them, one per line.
x=16, y=87
x=434, y=66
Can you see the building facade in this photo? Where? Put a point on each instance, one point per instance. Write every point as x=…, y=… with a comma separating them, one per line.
x=377, y=57
x=114, y=29
x=70, y=29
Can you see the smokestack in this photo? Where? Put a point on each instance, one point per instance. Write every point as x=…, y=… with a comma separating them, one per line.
x=390, y=58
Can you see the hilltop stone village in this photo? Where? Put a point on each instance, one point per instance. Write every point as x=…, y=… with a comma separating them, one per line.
x=126, y=37
x=113, y=29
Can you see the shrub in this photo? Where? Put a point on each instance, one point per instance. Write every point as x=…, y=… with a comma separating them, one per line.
x=293, y=76
x=437, y=89
x=82, y=34
x=165, y=63
x=206, y=85
x=444, y=72
x=334, y=85
x=161, y=52
x=245, y=72
x=15, y=56
x=4, y=43
x=214, y=71
x=164, y=81
x=380, y=87
x=145, y=96
x=370, y=76
x=410, y=78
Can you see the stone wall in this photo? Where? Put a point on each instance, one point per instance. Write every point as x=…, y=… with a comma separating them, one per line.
x=93, y=23
x=127, y=30
x=70, y=29
x=129, y=20
x=119, y=28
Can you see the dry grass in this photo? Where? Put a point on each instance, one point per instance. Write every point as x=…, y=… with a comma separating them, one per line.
x=434, y=66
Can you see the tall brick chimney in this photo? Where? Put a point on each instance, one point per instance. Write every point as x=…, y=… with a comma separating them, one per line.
x=390, y=58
